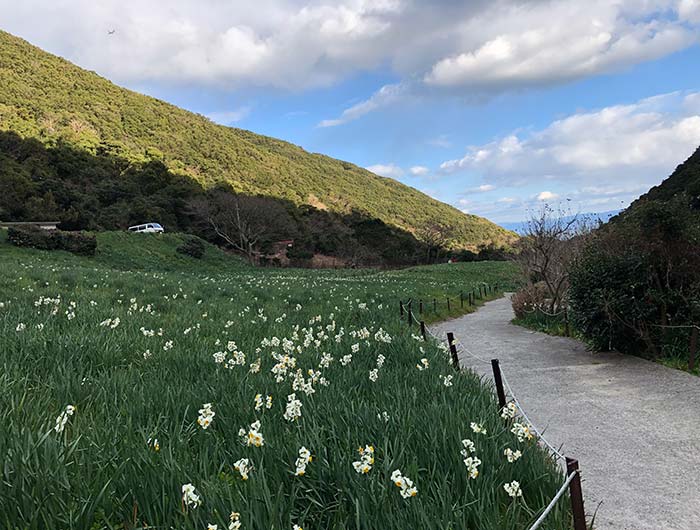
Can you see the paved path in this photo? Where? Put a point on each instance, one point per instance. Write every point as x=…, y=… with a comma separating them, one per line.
x=634, y=425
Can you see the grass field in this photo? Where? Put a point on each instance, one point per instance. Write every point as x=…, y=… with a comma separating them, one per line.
x=139, y=339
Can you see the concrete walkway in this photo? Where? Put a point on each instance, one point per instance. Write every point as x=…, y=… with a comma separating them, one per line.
x=633, y=425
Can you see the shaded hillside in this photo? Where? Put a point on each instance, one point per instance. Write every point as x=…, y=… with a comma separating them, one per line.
x=636, y=285
x=46, y=98
x=685, y=179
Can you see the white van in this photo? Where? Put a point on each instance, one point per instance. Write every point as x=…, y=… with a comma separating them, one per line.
x=152, y=228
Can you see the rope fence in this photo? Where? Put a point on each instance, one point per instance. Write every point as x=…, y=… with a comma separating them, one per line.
x=539, y=434
x=553, y=502
x=504, y=392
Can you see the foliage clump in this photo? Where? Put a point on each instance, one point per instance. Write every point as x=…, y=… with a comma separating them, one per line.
x=636, y=286
x=80, y=243
x=192, y=247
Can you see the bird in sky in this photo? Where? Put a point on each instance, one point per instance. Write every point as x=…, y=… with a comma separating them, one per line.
x=111, y=32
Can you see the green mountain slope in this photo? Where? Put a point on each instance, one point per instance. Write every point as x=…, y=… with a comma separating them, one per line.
x=685, y=179
x=47, y=98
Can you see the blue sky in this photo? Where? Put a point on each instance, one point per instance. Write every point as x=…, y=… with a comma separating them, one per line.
x=492, y=106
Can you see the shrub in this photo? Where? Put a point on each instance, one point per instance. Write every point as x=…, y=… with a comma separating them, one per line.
x=80, y=243
x=193, y=247
x=528, y=299
x=637, y=283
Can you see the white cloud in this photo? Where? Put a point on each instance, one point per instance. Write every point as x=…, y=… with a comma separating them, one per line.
x=689, y=10
x=481, y=189
x=386, y=95
x=596, y=161
x=386, y=170
x=287, y=44
x=419, y=171
x=229, y=117
x=479, y=46
x=640, y=142
x=551, y=42
x=547, y=196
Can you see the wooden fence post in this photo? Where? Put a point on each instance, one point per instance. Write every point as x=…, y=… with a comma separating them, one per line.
x=401, y=307
x=410, y=313
x=453, y=350
x=567, y=331
x=498, y=380
x=461, y=299
x=434, y=305
x=693, y=349
x=420, y=307
x=576, y=495
x=448, y=303
x=422, y=330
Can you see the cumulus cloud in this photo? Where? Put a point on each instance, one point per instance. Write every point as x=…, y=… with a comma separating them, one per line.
x=552, y=42
x=689, y=10
x=598, y=160
x=547, y=196
x=478, y=46
x=642, y=141
x=419, y=171
x=284, y=43
x=387, y=170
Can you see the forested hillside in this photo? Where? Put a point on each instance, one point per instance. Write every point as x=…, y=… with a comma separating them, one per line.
x=636, y=285
x=685, y=179
x=76, y=147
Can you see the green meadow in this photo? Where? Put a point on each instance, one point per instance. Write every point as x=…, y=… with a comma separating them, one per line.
x=108, y=364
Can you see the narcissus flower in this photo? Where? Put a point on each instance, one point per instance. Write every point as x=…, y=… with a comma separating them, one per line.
x=243, y=467
x=513, y=489
x=63, y=418
x=468, y=447
x=511, y=455
x=509, y=411
x=472, y=464
x=253, y=436
x=153, y=444
x=366, y=461
x=304, y=459
x=404, y=483
x=190, y=497
x=477, y=428
x=206, y=416
x=293, y=409
x=522, y=432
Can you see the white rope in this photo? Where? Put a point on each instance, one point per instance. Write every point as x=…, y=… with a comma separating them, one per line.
x=551, y=504
x=465, y=349
x=538, y=309
x=517, y=403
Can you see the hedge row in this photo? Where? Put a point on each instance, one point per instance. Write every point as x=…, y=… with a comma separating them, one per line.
x=81, y=243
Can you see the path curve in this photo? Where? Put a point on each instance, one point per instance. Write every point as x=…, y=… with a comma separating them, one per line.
x=634, y=425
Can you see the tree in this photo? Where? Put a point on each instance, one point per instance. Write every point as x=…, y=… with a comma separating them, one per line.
x=244, y=222
x=551, y=241
x=436, y=236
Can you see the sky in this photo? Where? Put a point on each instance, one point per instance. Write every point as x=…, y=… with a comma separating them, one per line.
x=493, y=106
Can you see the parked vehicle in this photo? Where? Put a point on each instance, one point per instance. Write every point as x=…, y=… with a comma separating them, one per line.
x=152, y=228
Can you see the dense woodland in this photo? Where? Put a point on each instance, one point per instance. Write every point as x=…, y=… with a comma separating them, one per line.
x=93, y=155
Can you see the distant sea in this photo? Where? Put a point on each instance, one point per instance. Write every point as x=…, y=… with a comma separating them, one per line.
x=520, y=226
